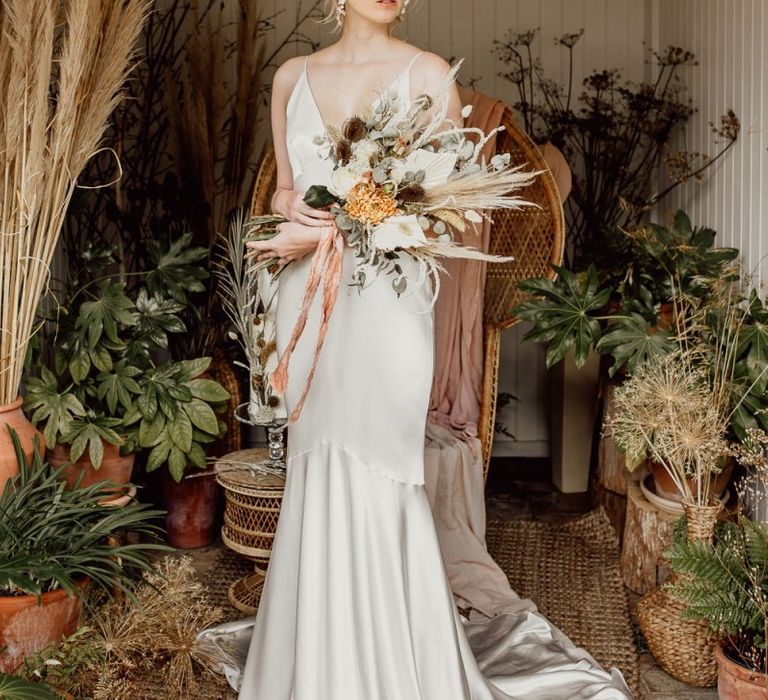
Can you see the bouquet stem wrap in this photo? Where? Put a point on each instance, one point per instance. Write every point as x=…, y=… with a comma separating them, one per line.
x=326, y=266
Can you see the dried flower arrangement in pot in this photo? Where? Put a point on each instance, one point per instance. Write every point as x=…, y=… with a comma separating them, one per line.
x=54, y=544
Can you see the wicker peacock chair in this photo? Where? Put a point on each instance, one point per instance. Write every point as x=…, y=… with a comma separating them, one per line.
x=533, y=235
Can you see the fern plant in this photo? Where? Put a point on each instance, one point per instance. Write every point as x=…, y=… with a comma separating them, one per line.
x=726, y=584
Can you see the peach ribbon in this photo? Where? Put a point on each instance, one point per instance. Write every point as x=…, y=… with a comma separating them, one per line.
x=326, y=266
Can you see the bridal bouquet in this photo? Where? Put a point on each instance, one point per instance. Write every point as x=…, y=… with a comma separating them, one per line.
x=405, y=179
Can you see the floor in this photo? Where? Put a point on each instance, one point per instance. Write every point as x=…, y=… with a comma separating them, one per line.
x=523, y=490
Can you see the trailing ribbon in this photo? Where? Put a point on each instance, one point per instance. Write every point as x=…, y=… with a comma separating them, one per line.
x=326, y=267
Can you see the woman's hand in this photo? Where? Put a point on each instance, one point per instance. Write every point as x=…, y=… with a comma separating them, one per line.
x=292, y=242
x=291, y=205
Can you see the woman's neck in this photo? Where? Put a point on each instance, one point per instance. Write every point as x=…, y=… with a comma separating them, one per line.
x=361, y=38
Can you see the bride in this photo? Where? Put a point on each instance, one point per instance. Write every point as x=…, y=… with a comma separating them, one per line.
x=356, y=604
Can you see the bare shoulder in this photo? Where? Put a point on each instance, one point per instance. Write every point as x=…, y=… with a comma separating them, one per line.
x=429, y=69
x=287, y=75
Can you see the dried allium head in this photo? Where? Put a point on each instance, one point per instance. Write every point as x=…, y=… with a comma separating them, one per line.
x=354, y=129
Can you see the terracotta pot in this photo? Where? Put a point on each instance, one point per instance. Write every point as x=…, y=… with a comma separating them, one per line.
x=12, y=415
x=26, y=627
x=737, y=682
x=191, y=505
x=114, y=468
x=666, y=488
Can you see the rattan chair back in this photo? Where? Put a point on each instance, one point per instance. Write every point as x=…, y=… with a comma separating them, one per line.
x=533, y=235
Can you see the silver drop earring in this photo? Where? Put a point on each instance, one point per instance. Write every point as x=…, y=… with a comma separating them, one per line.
x=341, y=9
x=404, y=9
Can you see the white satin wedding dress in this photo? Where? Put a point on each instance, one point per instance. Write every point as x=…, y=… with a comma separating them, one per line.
x=356, y=604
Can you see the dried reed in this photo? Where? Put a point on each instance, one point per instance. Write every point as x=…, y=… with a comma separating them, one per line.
x=61, y=71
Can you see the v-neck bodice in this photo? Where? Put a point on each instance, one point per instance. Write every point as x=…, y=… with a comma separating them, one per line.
x=304, y=123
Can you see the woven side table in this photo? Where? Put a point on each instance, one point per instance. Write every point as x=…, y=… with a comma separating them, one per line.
x=252, y=509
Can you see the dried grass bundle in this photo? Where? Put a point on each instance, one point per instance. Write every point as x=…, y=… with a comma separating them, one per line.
x=61, y=70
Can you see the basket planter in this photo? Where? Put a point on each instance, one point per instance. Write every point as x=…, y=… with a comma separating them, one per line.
x=12, y=415
x=682, y=647
x=114, y=467
x=737, y=682
x=27, y=627
x=191, y=506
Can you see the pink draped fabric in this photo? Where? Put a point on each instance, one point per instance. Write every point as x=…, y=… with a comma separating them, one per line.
x=453, y=456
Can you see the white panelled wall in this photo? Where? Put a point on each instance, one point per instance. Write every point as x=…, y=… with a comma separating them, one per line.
x=729, y=39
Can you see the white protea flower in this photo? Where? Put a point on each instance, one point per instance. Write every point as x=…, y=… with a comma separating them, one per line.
x=398, y=232
x=343, y=179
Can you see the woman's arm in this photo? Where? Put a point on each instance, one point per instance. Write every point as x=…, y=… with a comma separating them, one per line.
x=286, y=201
x=305, y=226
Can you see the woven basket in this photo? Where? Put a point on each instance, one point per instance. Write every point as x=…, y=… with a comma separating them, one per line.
x=252, y=506
x=682, y=647
x=222, y=371
x=245, y=593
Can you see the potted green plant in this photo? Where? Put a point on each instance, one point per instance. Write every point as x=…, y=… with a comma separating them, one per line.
x=54, y=545
x=725, y=584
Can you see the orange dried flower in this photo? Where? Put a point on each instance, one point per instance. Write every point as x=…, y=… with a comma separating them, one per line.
x=370, y=204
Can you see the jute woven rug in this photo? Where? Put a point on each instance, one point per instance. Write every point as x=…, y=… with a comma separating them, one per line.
x=571, y=571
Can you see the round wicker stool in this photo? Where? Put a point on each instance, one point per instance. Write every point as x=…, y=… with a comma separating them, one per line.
x=253, y=503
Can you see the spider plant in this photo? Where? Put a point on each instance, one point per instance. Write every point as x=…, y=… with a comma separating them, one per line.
x=52, y=537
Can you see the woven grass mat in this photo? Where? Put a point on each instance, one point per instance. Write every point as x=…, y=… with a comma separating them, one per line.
x=571, y=571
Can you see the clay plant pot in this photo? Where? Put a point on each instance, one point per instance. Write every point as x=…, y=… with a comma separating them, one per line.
x=114, y=468
x=12, y=415
x=666, y=488
x=737, y=682
x=191, y=507
x=27, y=627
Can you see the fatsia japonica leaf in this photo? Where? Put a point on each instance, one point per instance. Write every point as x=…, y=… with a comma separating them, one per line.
x=57, y=409
x=202, y=416
x=118, y=386
x=563, y=312
x=156, y=317
x=631, y=341
x=208, y=390
x=106, y=313
x=90, y=433
x=178, y=270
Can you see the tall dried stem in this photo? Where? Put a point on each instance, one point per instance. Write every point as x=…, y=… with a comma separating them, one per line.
x=61, y=70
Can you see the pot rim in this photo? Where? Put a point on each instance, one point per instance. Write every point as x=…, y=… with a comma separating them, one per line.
x=15, y=601
x=6, y=408
x=723, y=659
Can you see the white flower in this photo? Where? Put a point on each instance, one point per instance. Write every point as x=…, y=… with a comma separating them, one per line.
x=437, y=167
x=398, y=232
x=343, y=179
x=363, y=150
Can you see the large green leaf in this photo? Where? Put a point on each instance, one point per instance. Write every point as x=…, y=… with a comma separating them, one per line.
x=180, y=430
x=57, y=409
x=177, y=463
x=202, y=416
x=150, y=430
x=631, y=341
x=104, y=314
x=89, y=433
x=119, y=386
x=564, y=313
x=178, y=271
x=208, y=390
x=155, y=318
x=15, y=688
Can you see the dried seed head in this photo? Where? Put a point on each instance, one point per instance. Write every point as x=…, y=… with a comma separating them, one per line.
x=354, y=129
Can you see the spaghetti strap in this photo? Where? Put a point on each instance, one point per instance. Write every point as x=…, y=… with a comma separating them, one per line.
x=413, y=60
x=306, y=60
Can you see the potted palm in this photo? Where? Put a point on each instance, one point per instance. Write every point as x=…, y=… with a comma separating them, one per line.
x=55, y=543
